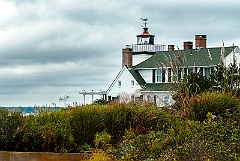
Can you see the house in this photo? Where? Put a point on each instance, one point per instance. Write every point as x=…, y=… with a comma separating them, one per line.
x=148, y=69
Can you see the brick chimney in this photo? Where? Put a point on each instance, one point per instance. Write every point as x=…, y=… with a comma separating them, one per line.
x=127, y=57
x=170, y=47
x=200, y=41
x=187, y=45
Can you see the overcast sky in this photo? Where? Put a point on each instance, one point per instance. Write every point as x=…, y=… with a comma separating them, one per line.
x=49, y=48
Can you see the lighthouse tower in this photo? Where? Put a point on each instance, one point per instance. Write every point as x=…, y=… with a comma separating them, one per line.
x=144, y=49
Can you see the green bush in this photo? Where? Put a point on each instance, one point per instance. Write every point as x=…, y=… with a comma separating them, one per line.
x=185, y=140
x=10, y=122
x=46, y=131
x=70, y=130
x=217, y=103
x=135, y=131
x=101, y=101
x=102, y=140
x=86, y=122
x=115, y=119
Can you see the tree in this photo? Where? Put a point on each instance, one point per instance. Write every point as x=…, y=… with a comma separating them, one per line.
x=226, y=79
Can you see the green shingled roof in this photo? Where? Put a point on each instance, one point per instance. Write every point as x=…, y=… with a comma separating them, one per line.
x=150, y=86
x=138, y=77
x=192, y=57
x=158, y=87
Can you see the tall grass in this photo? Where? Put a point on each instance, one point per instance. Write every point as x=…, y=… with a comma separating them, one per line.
x=70, y=130
x=46, y=131
x=10, y=122
x=129, y=131
x=115, y=118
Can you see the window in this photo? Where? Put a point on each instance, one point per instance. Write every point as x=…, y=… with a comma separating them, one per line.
x=159, y=76
x=185, y=71
x=195, y=69
x=163, y=75
x=155, y=100
x=132, y=82
x=201, y=70
x=207, y=72
x=169, y=75
x=166, y=100
x=179, y=74
x=148, y=98
x=190, y=70
x=119, y=83
x=132, y=98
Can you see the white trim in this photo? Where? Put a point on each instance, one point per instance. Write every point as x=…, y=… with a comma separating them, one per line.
x=122, y=86
x=116, y=78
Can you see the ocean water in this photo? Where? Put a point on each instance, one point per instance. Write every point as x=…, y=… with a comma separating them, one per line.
x=31, y=110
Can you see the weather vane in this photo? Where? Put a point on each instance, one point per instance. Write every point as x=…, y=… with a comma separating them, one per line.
x=145, y=21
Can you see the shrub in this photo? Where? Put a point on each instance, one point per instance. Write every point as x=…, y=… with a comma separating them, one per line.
x=139, y=117
x=115, y=119
x=215, y=102
x=189, y=86
x=184, y=140
x=102, y=140
x=10, y=122
x=46, y=131
x=86, y=122
x=70, y=130
x=101, y=101
x=100, y=155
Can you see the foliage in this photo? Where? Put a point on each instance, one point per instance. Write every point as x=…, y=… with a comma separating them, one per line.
x=102, y=140
x=86, y=122
x=185, y=140
x=130, y=131
x=77, y=129
x=10, y=122
x=101, y=101
x=47, y=131
x=226, y=79
x=196, y=95
x=217, y=103
x=100, y=155
x=189, y=86
x=115, y=119
x=194, y=83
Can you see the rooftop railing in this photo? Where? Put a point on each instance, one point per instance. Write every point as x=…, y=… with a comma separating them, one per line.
x=146, y=47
